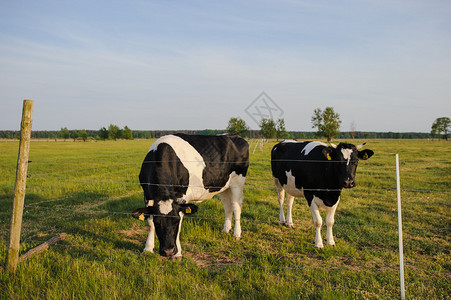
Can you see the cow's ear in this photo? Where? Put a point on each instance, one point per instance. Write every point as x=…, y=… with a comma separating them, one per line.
x=365, y=154
x=328, y=152
x=143, y=212
x=188, y=209
x=139, y=213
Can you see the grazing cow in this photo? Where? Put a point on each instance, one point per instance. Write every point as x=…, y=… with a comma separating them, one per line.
x=180, y=170
x=318, y=172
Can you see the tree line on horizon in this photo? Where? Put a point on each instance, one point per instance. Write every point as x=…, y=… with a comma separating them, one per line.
x=327, y=122
x=150, y=134
x=112, y=133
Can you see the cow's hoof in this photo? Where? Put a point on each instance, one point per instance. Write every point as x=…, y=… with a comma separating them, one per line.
x=291, y=226
x=286, y=224
x=332, y=243
x=237, y=238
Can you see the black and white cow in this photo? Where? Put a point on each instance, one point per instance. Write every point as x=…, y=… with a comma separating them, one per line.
x=318, y=172
x=180, y=170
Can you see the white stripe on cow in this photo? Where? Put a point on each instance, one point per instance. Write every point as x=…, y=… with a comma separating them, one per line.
x=347, y=154
x=289, y=141
x=290, y=187
x=310, y=146
x=194, y=163
x=165, y=206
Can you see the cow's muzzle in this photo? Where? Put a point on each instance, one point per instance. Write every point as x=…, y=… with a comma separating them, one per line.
x=168, y=252
x=349, y=183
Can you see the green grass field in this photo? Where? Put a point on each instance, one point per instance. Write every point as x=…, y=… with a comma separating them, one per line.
x=89, y=189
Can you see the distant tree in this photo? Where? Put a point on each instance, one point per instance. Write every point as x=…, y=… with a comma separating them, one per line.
x=268, y=128
x=114, y=132
x=83, y=135
x=280, y=129
x=64, y=133
x=441, y=125
x=317, y=120
x=127, y=133
x=103, y=133
x=237, y=126
x=435, y=130
x=327, y=122
x=74, y=134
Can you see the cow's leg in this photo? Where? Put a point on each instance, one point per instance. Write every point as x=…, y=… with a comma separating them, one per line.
x=290, y=200
x=318, y=222
x=228, y=209
x=177, y=241
x=281, y=198
x=237, y=200
x=232, y=200
x=330, y=214
x=150, y=243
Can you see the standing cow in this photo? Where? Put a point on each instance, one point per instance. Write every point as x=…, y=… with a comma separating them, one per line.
x=182, y=169
x=318, y=172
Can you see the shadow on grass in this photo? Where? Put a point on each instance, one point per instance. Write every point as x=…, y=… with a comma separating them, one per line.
x=89, y=219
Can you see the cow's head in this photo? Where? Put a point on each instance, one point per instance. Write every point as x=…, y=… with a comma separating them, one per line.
x=166, y=216
x=345, y=158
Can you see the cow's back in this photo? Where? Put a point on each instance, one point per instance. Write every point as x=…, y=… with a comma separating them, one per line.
x=304, y=161
x=179, y=166
x=222, y=155
x=229, y=151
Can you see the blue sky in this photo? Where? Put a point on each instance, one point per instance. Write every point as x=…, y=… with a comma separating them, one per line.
x=382, y=65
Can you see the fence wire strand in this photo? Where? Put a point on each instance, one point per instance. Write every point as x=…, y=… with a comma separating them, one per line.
x=192, y=162
x=246, y=187
x=197, y=218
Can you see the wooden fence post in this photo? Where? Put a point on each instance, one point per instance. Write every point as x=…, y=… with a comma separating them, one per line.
x=19, y=187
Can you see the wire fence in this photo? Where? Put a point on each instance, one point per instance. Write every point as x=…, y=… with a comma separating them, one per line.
x=272, y=220
x=110, y=212
x=305, y=225
x=212, y=263
x=263, y=185
x=247, y=187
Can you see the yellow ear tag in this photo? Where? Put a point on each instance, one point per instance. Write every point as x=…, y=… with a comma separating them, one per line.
x=328, y=156
x=365, y=156
x=188, y=210
x=141, y=217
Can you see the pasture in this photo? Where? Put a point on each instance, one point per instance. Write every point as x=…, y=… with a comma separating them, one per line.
x=88, y=190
